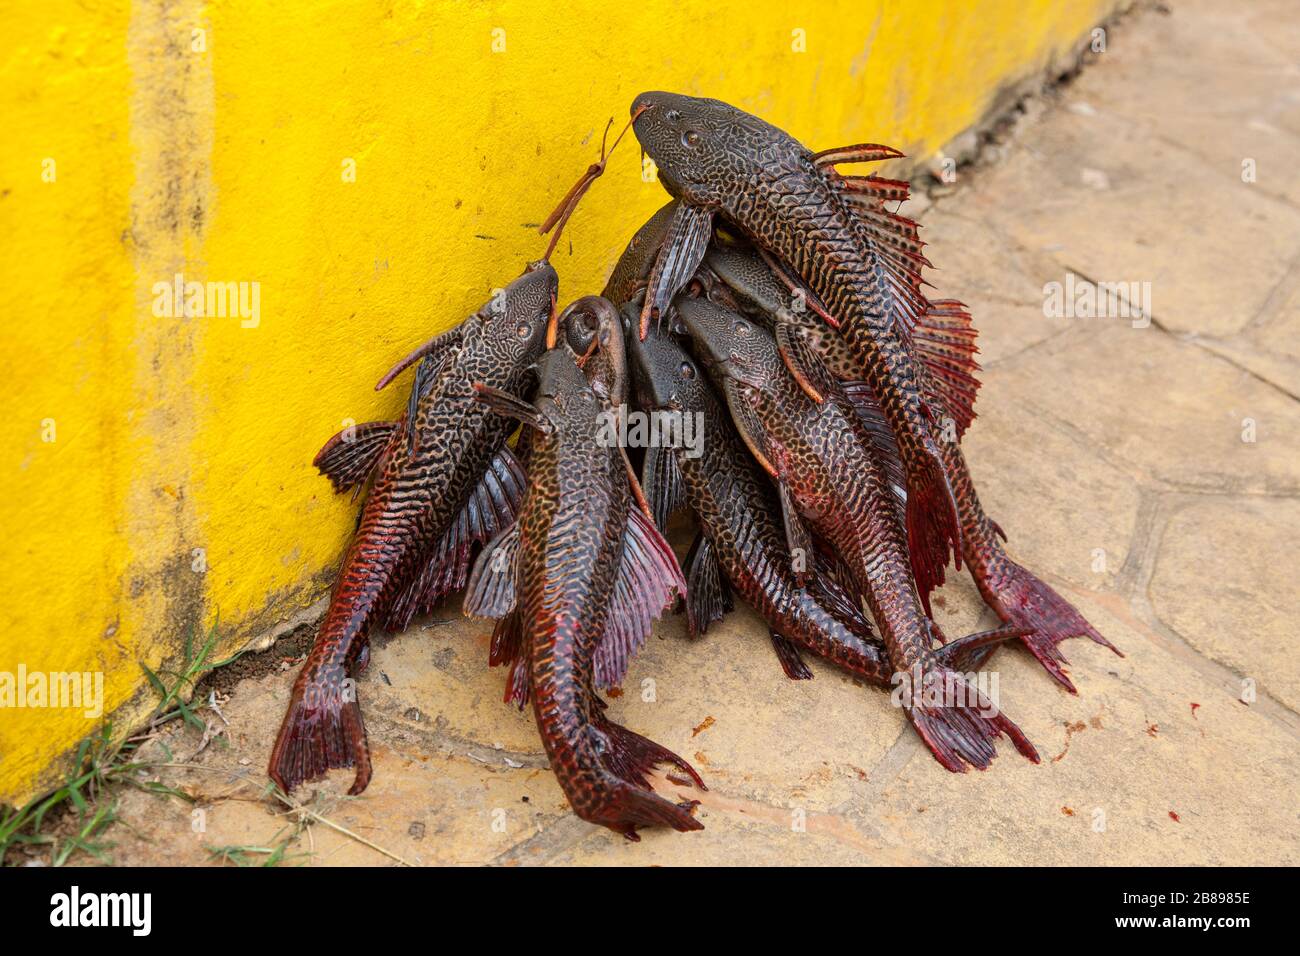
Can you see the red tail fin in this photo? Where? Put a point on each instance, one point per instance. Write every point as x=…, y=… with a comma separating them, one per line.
x=632, y=756
x=958, y=723
x=629, y=808
x=628, y=802
x=322, y=730
x=1021, y=599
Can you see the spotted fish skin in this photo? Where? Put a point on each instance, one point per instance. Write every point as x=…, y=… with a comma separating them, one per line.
x=422, y=481
x=737, y=510
x=759, y=292
x=818, y=452
x=768, y=185
x=1018, y=597
x=570, y=539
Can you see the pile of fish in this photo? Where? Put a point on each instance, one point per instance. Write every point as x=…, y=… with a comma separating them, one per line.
x=774, y=313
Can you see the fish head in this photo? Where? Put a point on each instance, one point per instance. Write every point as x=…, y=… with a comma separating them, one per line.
x=727, y=343
x=666, y=376
x=514, y=320
x=579, y=327
x=563, y=392
x=707, y=152
x=745, y=273
x=593, y=331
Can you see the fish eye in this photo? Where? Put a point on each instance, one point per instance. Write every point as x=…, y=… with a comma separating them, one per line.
x=740, y=328
x=688, y=371
x=523, y=329
x=690, y=138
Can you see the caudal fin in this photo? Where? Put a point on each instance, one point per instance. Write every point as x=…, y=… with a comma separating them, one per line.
x=322, y=730
x=933, y=526
x=630, y=807
x=958, y=722
x=1022, y=600
x=627, y=801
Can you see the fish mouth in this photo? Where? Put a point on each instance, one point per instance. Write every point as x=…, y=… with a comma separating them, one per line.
x=643, y=102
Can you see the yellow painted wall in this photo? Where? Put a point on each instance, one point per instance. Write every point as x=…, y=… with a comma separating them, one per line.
x=220, y=154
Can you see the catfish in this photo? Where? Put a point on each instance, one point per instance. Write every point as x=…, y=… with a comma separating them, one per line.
x=838, y=481
x=741, y=543
x=719, y=161
x=579, y=577
x=1018, y=597
x=443, y=482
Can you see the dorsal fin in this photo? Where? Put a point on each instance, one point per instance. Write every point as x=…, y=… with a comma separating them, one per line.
x=944, y=338
x=649, y=583
x=884, y=190
x=940, y=332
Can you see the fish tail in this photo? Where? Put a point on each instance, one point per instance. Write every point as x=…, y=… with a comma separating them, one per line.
x=933, y=526
x=322, y=730
x=630, y=807
x=1023, y=600
x=627, y=801
x=631, y=756
x=957, y=721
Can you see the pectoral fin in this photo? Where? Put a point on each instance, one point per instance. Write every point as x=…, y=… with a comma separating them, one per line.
x=880, y=437
x=350, y=457
x=748, y=425
x=490, y=508
x=804, y=364
x=491, y=588
x=797, y=537
x=511, y=406
x=437, y=348
x=426, y=373
x=794, y=282
x=649, y=583
x=708, y=594
x=679, y=257
x=661, y=477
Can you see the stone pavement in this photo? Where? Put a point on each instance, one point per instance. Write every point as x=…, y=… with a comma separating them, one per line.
x=1150, y=473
